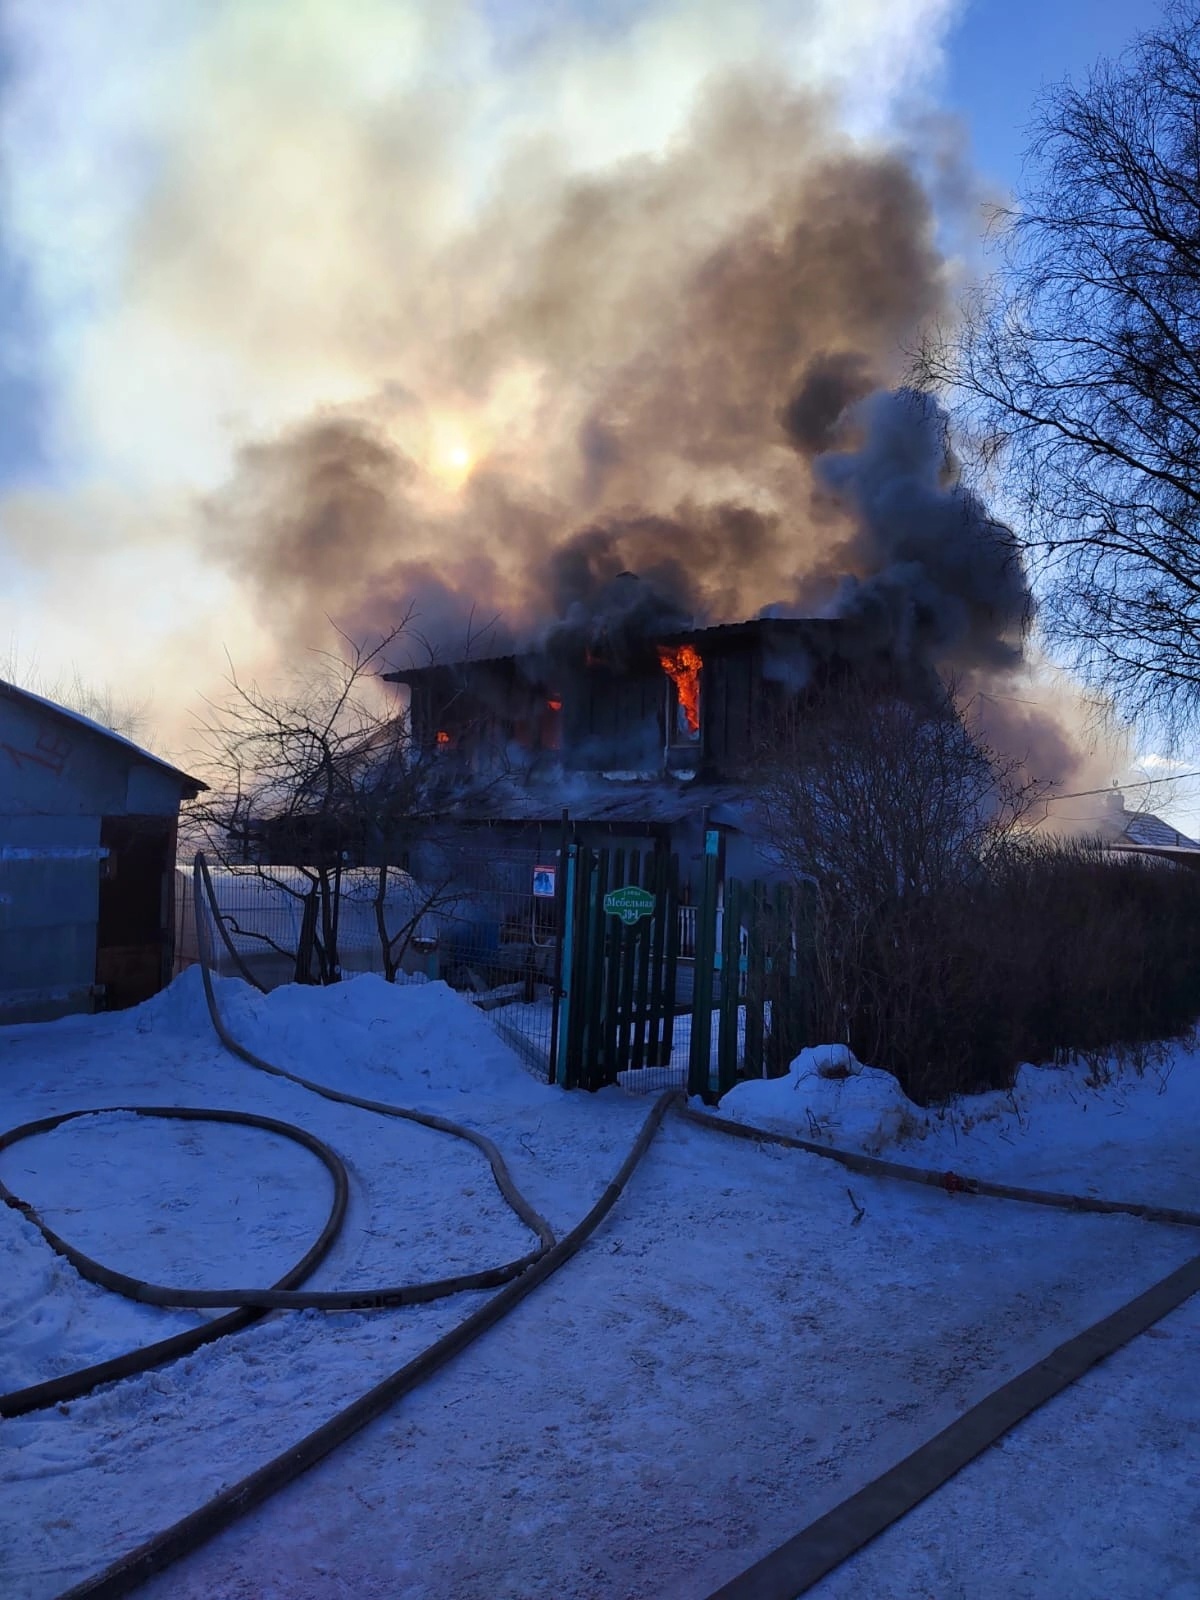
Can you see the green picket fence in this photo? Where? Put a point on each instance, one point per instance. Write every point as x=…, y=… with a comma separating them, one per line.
x=624, y=984
x=753, y=1004
x=617, y=1002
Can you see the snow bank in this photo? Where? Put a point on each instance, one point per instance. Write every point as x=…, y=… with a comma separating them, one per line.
x=1024, y=1132
x=1053, y=1114
x=829, y=1096
x=423, y=1034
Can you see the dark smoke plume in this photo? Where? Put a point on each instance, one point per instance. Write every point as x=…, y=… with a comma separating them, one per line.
x=667, y=310
x=832, y=381
x=707, y=348
x=932, y=576
x=714, y=337
x=600, y=603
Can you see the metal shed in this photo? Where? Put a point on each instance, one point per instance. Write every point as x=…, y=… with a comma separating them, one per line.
x=88, y=824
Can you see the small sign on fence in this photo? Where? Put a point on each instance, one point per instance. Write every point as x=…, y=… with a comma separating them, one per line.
x=543, y=883
x=631, y=904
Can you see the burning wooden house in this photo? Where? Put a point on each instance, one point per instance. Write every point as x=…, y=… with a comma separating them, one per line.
x=645, y=736
x=683, y=706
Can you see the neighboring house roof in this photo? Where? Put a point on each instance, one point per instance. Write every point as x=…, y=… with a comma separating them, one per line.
x=1143, y=832
x=190, y=786
x=1145, y=829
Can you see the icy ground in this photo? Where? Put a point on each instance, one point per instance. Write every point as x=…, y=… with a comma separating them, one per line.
x=731, y=1355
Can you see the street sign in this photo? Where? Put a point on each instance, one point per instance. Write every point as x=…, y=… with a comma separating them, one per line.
x=631, y=904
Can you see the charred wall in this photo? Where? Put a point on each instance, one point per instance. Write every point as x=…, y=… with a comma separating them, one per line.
x=603, y=710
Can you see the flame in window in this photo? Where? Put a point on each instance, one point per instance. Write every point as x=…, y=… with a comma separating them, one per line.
x=683, y=666
x=552, y=724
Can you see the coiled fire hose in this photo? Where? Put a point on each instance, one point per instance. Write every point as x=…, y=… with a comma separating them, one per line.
x=251, y=1303
x=782, y=1574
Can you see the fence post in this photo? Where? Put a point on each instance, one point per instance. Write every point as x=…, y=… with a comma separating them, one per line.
x=730, y=1001
x=562, y=907
x=594, y=955
x=566, y=988
x=670, y=961
x=755, y=981
x=610, y=951
x=700, y=1048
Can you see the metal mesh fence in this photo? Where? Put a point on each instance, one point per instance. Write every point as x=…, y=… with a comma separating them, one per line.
x=694, y=995
x=486, y=922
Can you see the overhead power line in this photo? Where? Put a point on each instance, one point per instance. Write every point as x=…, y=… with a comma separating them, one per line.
x=1082, y=794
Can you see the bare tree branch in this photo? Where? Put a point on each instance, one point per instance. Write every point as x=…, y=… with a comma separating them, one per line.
x=308, y=780
x=1077, y=368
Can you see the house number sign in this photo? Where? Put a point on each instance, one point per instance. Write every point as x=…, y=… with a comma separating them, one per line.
x=631, y=904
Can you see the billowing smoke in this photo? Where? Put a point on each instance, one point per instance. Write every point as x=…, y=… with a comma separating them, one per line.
x=933, y=575
x=420, y=313
x=664, y=316
x=735, y=452
x=832, y=381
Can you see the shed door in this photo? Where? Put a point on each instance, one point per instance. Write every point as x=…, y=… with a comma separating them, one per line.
x=134, y=932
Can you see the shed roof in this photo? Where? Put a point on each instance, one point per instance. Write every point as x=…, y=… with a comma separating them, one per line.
x=596, y=799
x=189, y=786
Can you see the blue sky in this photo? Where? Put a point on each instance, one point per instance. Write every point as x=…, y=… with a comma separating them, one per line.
x=1002, y=53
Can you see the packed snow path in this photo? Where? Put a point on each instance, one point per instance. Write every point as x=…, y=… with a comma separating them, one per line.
x=727, y=1358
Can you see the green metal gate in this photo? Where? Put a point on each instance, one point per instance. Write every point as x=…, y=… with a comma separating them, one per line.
x=617, y=1000
x=625, y=984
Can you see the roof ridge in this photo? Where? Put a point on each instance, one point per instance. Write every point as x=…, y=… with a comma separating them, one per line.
x=77, y=719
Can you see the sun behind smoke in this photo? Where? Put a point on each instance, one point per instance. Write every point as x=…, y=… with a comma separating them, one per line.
x=452, y=448
x=452, y=465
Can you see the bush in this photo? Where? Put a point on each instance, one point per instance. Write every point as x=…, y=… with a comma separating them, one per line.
x=1060, y=949
x=952, y=943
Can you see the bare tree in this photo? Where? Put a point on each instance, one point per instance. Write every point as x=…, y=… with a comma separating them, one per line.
x=1077, y=368
x=306, y=782
x=898, y=812
x=409, y=910
x=319, y=795
x=97, y=701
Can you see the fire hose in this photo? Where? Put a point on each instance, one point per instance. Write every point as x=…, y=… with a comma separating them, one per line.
x=251, y=1303
x=786, y=1572
x=795, y=1566
x=521, y=1278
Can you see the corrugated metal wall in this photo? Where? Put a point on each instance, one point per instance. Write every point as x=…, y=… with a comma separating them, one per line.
x=49, y=894
x=58, y=782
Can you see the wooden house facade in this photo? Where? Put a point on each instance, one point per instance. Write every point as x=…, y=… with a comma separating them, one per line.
x=688, y=705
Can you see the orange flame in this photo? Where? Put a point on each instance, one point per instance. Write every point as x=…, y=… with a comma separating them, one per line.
x=555, y=705
x=443, y=738
x=682, y=665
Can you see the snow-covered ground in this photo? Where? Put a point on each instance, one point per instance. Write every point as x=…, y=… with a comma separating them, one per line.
x=733, y=1352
